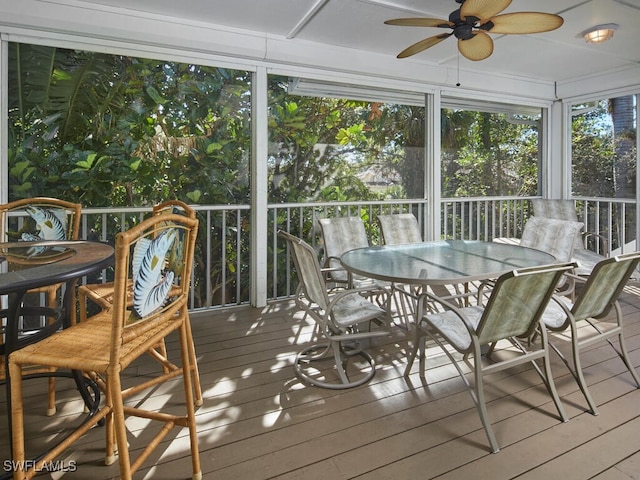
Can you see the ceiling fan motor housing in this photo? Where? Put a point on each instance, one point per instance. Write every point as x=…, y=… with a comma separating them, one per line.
x=462, y=28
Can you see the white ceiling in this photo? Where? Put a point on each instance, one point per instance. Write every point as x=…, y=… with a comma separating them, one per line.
x=560, y=55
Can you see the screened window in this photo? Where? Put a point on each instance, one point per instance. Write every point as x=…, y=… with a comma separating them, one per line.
x=603, y=148
x=117, y=131
x=604, y=163
x=113, y=130
x=489, y=149
x=331, y=145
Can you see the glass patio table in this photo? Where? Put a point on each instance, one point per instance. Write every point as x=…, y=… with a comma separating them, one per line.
x=441, y=263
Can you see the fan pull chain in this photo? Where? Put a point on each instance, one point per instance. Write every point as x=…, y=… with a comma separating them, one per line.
x=458, y=82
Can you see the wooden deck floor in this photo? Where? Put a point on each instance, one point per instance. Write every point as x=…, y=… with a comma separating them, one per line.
x=258, y=421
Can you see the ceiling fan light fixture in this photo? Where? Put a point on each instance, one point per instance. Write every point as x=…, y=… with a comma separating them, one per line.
x=600, y=33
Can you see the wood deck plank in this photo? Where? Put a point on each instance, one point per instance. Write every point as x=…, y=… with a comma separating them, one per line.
x=259, y=422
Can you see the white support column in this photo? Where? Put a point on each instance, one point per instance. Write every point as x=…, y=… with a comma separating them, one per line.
x=4, y=132
x=556, y=165
x=433, y=193
x=259, y=193
x=4, y=122
x=637, y=173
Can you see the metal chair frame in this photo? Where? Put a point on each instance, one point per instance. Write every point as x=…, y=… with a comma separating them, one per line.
x=512, y=312
x=597, y=296
x=344, y=318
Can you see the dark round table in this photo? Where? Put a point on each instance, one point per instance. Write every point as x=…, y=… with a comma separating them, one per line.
x=28, y=265
x=25, y=266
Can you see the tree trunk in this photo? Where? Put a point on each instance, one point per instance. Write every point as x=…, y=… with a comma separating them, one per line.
x=624, y=136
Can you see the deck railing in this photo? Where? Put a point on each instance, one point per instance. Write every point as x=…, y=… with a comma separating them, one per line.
x=221, y=269
x=484, y=218
x=489, y=218
x=221, y=274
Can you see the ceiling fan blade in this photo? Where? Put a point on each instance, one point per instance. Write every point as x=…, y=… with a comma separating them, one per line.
x=483, y=9
x=524, y=22
x=479, y=47
x=419, y=22
x=423, y=45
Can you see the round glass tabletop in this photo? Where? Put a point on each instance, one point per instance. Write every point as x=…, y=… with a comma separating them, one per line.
x=446, y=262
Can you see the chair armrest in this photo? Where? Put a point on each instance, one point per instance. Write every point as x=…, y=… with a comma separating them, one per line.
x=462, y=295
x=558, y=299
x=327, y=270
x=327, y=262
x=576, y=278
x=331, y=269
x=366, y=289
x=603, y=241
x=484, y=285
x=426, y=296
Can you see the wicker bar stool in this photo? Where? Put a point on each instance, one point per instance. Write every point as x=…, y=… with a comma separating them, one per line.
x=101, y=294
x=153, y=261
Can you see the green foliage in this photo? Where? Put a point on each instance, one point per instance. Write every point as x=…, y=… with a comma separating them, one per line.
x=306, y=158
x=108, y=130
x=489, y=154
x=603, y=150
x=593, y=155
x=604, y=163
x=326, y=148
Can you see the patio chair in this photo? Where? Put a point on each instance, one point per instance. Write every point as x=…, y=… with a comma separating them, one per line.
x=343, y=318
x=102, y=295
x=566, y=210
x=512, y=311
x=339, y=235
x=399, y=228
x=40, y=218
x=403, y=228
x=555, y=237
x=157, y=257
x=596, y=299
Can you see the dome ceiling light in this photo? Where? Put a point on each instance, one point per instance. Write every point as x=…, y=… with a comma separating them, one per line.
x=600, y=33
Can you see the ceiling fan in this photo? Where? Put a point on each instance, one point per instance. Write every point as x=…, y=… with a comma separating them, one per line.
x=472, y=22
